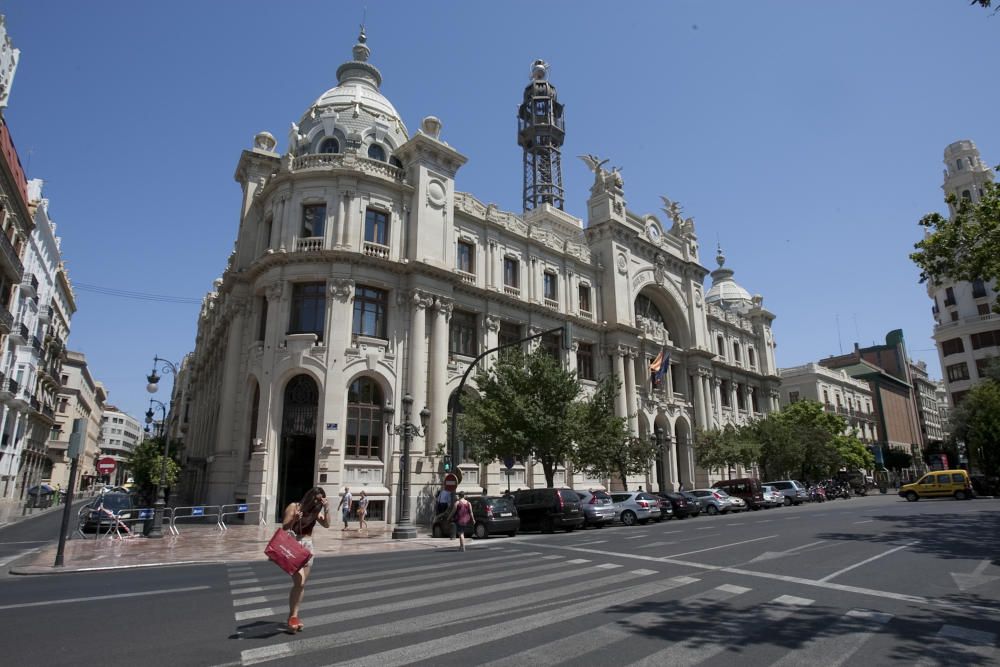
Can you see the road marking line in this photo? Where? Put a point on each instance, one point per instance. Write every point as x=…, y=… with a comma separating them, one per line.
x=551, y=557
x=653, y=544
x=20, y=554
x=163, y=591
x=728, y=524
x=868, y=521
x=577, y=561
x=792, y=600
x=711, y=527
x=869, y=615
x=764, y=521
x=644, y=572
x=732, y=588
x=724, y=546
x=866, y=561
x=635, y=537
x=608, y=566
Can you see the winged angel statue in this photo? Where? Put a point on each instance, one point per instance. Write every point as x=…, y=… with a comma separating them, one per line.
x=682, y=225
x=606, y=180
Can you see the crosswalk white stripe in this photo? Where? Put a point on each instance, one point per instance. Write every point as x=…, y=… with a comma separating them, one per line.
x=695, y=650
x=841, y=642
x=576, y=645
x=437, y=647
x=482, y=612
x=433, y=585
x=361, y=579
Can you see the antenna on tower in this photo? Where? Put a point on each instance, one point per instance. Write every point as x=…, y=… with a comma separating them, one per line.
x=540, y=132
x=840, y=343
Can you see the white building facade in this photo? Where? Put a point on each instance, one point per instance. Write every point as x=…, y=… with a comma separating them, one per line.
x=80, y=397
x=120, y=433
x=967, y=332
x=838, y=392
x=362, y=274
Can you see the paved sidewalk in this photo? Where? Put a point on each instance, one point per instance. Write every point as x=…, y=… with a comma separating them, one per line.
x=207, y=544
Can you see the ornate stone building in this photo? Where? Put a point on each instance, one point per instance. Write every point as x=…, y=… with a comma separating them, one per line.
x=361, y=274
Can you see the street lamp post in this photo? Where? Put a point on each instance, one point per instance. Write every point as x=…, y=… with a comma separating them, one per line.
x=161, y=501
x=164, y=366
x=404, y=528
x=661, y=471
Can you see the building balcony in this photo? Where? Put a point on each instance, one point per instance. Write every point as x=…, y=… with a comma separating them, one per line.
x=510, y=290
x=19, y=334
x=974, y=319
x=45, y=314
x=469, y=278
x=36, y=343
x=309, y=244
x=6, y=320
x=586, y=314
x=376, y=250
x=29, y=284
x=9, y=256
x=348, y=162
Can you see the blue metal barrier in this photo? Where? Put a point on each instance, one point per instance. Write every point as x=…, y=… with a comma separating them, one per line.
x=195, y=512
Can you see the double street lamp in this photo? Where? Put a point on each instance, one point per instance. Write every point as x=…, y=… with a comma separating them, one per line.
x=404, y=528
x=160, y=504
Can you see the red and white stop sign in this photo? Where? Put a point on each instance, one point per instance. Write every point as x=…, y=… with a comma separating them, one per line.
x=106, y=466
x=450, y=482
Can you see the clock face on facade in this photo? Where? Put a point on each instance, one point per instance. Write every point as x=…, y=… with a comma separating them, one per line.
x=653, y=231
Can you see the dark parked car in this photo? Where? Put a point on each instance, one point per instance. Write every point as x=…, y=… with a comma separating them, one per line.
x=597, y=509
x=491, y=515
x=107, y=510
x=747, y=488
x=549, y=509
x=683, y=507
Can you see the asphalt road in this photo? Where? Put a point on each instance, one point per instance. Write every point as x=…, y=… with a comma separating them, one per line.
x=869, y=580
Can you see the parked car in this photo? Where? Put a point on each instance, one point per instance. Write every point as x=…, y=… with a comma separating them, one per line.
x=106, y=510
x=491, y=515
x=549, y=509
x=794, y=491
x=713, y=501
x=738, y=504
x=632, y=507
x=681, y=505
x=747, y=488
x=597, y=508
x=666, y=510
x=773, y=497
x=939, y=484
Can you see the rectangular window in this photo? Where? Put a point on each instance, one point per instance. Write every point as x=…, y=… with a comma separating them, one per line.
x=549, y=284
x=308, y=308
x=725, y=392
x=370, y=309
x=753, y=402
x=720, y=346
x=958, y=372
x=736, y=352
x=585, y=299
x=463, y=334
x=978, y=288
x=376, y=227
x=465, y=257
x=793, y=397
x=551, y=344
x=952, y=346
x=982, y=365
x=949, y=297
x=511, y=272
x=262, y=325
x=954, y=315
x=313, y=220
x=741, y=401
x=983, y=308
x=751, y=357
x=509, y=333
x=585, y=361
x=984, y=339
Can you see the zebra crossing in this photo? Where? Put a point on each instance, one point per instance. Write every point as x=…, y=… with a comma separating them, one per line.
x=502, y=606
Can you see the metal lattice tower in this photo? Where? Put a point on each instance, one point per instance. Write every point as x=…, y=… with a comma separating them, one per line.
x=540, y=133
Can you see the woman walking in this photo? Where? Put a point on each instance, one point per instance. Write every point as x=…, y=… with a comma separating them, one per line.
x=362, y=510
x=461, y=512
x=300, y=519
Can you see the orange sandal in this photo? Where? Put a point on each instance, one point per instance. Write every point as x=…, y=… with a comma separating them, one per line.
x=294, y=624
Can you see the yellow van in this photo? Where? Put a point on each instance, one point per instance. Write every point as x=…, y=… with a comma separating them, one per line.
x=939, y=484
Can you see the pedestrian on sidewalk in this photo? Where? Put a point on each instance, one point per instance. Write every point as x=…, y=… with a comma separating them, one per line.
x=461, y=513
x=362, y=510
x=345, y=506
x=300, y=518
x=442, y=500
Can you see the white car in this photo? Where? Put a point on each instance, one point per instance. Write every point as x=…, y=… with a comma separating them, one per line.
x=773, y=497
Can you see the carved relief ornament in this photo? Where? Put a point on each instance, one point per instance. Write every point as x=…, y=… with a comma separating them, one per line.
x=341, y=289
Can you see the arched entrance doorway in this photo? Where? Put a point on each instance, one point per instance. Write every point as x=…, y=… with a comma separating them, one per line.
x=297, y=458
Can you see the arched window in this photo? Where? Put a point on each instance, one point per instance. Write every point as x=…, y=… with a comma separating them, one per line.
x=646, y=308
x=329, y=145
x=376, y=152
x=364, y=420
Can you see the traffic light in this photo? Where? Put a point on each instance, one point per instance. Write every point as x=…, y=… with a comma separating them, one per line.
x=447, y=463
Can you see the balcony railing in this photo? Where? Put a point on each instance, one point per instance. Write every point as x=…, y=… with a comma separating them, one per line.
x=45, y=314
x=376, y=250
x=310, y=244
x=30, y=282
x=552, y=303
x=466, y=277
x=36, y=343
x=6, y=320
x=347, y=161
x=20, y=332
x=10, y=255
x=12, y=386
x=510, y=290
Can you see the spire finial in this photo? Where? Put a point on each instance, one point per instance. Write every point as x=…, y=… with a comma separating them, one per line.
x=720, y=257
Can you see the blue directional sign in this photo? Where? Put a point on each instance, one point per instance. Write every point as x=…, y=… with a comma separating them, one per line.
x=145, y=514
x=241, y=508
x=197, y=511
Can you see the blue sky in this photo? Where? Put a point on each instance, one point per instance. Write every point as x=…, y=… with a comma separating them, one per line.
x=807, y=137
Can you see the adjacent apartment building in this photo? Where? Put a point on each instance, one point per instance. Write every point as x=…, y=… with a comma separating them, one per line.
x=839, y=393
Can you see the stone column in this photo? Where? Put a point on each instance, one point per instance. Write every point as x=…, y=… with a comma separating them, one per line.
x=699, y=401
x=732, y=397
x=749, y=391
x=631, y=407
x=438, y=426
x=339, y=222
x=717, y=393
x=417, y=370
x=491, y=264
x=621, y=405
x=350, y=220
x=492, y=323
x=709, y=396
x=223, y=468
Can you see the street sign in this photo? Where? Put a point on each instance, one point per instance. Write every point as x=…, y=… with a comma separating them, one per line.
x=450, y=482
x=106, y=466
x=509, y=462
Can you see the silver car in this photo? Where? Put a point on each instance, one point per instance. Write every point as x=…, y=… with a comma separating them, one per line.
x=793, y=490
x=597, y=506
x=630, y=509
x=772, y=497
x=713, y=501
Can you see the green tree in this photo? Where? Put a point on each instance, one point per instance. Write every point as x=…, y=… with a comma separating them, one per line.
x=781, y=454
x=896, y=459
x=717, y=449
x=146, y=464
x=964, y=247
x=976, y=422
x=851, y=453
x=604, y=447
x=525, y=410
